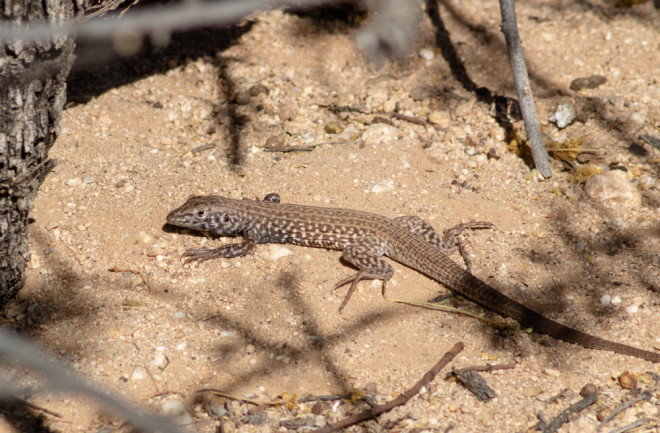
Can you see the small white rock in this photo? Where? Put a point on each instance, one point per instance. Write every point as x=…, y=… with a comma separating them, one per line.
x=379, y=133
x=605, y=300
x=76, y=181
x=159, y=361
x=382, y=186
x=563, y=115
x=613, y=189
x=618, y=223
x=181, y=346
x=632, y=309
x=426, y=53
x=177, y=412
x=278, y=251
x=138, y=373
x=440, y=118
x=616, y=300
x=144, y=237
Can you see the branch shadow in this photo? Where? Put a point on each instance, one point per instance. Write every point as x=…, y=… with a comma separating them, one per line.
x=98, y=68
x=545, y=88
x=23, y=418
x=314, y=349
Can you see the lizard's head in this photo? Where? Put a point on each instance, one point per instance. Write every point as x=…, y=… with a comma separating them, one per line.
x=210, y=214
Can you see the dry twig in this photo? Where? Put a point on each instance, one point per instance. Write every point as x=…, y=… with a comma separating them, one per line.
x=509, y=27
x=402, y=399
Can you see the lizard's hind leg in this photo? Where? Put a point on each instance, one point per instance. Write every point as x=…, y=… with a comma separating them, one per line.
x=450, y=240
x=366, y=254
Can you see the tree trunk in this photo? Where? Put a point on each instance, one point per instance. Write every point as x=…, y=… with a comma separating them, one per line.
x=32, y=94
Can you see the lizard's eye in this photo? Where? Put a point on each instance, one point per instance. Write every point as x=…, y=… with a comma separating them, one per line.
x=200, y=213
x=225, y=218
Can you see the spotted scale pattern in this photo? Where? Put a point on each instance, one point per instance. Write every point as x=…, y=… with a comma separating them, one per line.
x=364, y=238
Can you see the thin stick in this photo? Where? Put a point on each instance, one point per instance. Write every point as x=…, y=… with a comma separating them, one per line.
x=415, y=120
x=509, y=27
x=402, y=399
x=632, y=426
x=446, y=308
x=246, y=400
x=487, y=367
x=39, y=408
x=646, y=395
x=562, y=418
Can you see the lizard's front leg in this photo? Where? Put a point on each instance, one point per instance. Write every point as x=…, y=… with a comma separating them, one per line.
x=226, y=251
x=366, y=254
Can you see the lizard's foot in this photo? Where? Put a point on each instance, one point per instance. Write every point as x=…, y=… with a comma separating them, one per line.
x=226, y=251
x=451, y=239
x=200, y=255
x=354, y=280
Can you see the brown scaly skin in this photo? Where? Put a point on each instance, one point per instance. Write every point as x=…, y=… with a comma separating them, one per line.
x=364, y=239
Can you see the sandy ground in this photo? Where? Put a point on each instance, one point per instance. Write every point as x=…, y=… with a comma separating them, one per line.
x=266, y=325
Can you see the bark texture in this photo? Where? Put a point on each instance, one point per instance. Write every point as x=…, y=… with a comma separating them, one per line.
x=32, y=94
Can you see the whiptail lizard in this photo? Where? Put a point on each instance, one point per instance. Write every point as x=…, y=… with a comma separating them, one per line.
x=364, y=239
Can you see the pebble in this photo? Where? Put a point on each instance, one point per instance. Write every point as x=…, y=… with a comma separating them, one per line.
x=243, y=98
x=144, y=237
x=639, y=117
x=14, y=309
x=274, y=141
x=155, y=252
x=382, y=186
x=464, y=108
x=627, y=380
x=277, y=252
x=333, y=128
x=379, y=133
x=605, y=300
x=422, y=92
x=426, y=53
x=603, y=413
x=138, y=373
x=613, y=189
x=257, y=89
x=287, y=112
x=632, y=309
x=552, y=372
x=372, y=388
x=563, y=115
x=440, y=118
x=590, y=82
x=619, y=223
x=76, y=181
x=160, y=361
x=588, y=389
x=176, y=411
x=216, y=411
x=320, y=407
x=257, y=417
